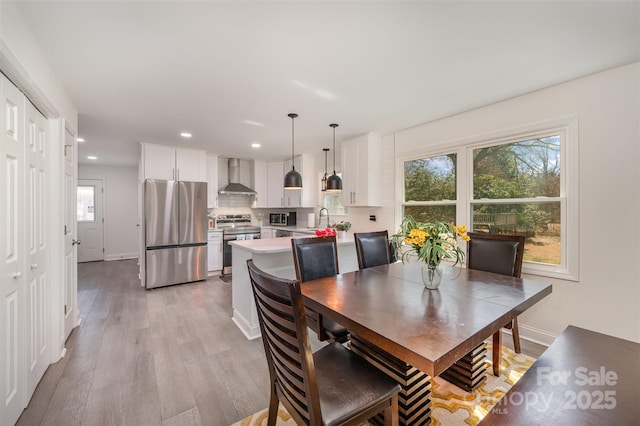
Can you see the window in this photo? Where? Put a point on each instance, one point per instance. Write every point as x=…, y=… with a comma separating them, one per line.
x=333, y=201
x=430, y=188
x=516, y=190
x=86, y=203
x=506, y=184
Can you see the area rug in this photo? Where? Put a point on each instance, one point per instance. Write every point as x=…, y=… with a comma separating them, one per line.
x=450, y=406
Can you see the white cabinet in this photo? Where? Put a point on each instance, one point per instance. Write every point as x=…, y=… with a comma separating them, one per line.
x=212, y=181
x=362, y=171
x=173, y=163
x=267, y=233
x=275, y=184
x=268, y=181
x=307, y=196
x=259, y=183
x=214, y=251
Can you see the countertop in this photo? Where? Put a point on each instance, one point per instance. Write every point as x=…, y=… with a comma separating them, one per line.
x=282, y=244
x=302, y=230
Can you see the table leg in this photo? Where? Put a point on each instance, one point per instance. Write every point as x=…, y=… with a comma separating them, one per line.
x=414, y=399
x=496, y=352
x=469, y=372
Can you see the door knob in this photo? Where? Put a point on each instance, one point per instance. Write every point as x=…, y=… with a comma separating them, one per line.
x=75, y=242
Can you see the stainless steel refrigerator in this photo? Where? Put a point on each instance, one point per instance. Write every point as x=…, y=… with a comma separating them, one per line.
x=175, y=232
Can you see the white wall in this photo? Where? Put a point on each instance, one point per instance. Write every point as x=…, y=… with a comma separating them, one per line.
x=607, y=297
x=18, y=43
x=120, y=208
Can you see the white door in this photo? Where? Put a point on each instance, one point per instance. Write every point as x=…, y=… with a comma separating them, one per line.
x=90, y=220
x=37, y=296
x=12, y=259
x=71, y=314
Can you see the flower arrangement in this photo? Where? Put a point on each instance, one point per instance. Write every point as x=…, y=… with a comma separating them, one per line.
x=327, y=232
x=342, y=226
x=430, y=242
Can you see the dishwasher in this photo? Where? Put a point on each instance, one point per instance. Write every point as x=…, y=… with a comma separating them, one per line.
x=283, y=233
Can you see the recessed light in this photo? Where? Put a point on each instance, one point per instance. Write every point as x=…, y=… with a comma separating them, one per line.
x=255, y=145
x=91, y=157
x=79, y=139
x=253, y=123
x=186, y=134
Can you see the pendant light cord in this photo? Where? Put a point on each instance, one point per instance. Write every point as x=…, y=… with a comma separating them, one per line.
x=334, y=147
x=293, y=116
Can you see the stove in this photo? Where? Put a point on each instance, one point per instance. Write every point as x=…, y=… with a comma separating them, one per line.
x=234, y=227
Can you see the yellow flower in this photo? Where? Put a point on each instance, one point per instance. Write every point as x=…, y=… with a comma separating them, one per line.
x=465, y=237
x=460, y=229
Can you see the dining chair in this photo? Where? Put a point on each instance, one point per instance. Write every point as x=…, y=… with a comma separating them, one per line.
x=372, y=248
x=500, y=254
x=332, y=386
x=317, y=257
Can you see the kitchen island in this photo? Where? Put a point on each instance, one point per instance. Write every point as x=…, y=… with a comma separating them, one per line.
x=275, y=256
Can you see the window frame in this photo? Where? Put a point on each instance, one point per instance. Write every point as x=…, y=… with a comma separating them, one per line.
x=567, y=128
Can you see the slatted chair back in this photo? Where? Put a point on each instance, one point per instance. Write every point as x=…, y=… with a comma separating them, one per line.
x=372, y=248
x=334, y=386
x=286, y=343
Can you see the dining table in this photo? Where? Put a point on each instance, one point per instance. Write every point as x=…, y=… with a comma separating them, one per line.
x=413, y=333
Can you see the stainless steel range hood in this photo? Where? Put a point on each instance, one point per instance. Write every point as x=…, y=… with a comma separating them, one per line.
x=234, y=187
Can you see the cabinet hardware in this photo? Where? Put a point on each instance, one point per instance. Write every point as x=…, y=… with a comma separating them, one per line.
x=16, y=275
x=34, y=265
x=75, y=242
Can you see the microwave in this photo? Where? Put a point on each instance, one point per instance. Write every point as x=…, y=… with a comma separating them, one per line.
x=286, y=219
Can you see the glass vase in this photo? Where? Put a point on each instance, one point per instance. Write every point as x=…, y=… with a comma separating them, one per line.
x=431, y=276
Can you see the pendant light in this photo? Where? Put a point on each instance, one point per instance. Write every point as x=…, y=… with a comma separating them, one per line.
x=324, y=178
x=292, y=180
x=334, y=183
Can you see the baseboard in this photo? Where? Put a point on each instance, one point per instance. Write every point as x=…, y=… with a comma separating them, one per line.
x=244, y=326
x=534, y=335
x=121, y=256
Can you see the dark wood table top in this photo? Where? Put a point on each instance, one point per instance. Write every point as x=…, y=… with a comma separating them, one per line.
x=584, y=378
x=429, y=329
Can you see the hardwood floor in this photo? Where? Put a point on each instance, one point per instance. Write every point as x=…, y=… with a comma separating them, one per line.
x=169, y=356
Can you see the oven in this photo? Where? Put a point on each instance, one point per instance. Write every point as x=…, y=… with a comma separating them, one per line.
x=234, y=227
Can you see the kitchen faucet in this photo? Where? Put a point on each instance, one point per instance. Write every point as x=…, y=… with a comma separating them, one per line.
x=320, y=216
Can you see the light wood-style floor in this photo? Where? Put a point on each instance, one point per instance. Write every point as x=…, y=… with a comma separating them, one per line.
x=168, y=356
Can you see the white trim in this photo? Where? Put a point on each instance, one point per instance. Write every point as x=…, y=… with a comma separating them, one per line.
x=245, y=326
x=121, y=256
x=532, y=334
x=567, y=126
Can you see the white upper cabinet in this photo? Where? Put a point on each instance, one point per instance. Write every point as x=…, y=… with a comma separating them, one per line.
x=268, y=181
x=259, y=183
x=173, y=163
x=212, y=181
x=362, y=171
x=307, y=196
x=275, y=184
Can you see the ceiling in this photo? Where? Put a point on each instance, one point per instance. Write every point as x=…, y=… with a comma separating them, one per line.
x=230, y=72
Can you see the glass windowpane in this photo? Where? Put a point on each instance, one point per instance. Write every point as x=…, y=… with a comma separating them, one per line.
x=524, y=169
x=86, y=204
x=539, y=222
x=432, y=213
x=430, y=179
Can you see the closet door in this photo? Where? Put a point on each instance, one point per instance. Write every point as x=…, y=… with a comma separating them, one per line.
x=12, y=253
x=37, y=295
